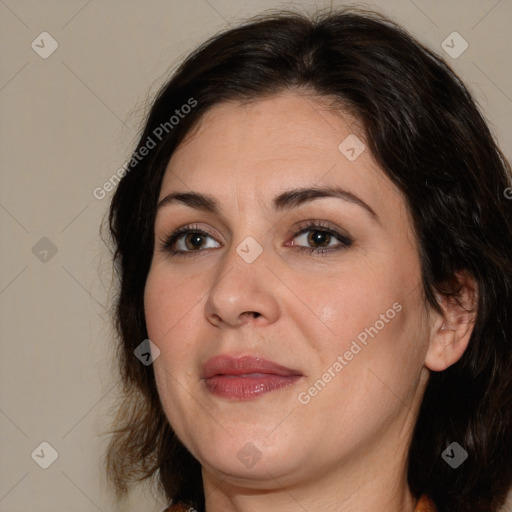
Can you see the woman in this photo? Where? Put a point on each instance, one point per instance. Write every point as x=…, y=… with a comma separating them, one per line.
x=315, y=235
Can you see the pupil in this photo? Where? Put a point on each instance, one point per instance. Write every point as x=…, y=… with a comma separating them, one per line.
x=196, y=239
x=321, y=238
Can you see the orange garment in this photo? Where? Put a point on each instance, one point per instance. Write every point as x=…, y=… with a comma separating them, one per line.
x=424, y=505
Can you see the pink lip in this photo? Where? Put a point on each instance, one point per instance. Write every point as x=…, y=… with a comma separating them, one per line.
x=246, y=377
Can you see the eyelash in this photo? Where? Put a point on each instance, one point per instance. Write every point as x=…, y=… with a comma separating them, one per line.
x=345, y=242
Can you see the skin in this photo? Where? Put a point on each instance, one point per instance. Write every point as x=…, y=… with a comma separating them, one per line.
x=346, y=448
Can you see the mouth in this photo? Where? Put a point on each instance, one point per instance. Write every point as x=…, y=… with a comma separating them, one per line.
x=246, y=377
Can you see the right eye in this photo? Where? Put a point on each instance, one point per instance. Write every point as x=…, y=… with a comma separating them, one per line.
x=187, y=239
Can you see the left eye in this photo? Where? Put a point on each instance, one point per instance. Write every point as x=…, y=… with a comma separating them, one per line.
x=321, y=238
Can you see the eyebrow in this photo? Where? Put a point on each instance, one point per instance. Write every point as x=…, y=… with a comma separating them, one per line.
x=286, y=200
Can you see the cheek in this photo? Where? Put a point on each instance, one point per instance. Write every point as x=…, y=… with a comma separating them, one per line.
x=351, y=303
x=372, y=369
x=167, y=313
x=375, y=316
x=169, y=323
x=168, y=304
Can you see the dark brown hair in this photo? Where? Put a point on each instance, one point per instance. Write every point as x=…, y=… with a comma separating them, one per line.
x=426, y=133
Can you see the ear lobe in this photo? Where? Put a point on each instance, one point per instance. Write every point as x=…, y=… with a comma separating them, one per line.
x=451, y=330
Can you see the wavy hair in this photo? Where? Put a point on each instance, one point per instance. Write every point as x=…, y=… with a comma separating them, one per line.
x=425, y=131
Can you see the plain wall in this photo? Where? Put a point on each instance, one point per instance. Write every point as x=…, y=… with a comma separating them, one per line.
x=68, y=123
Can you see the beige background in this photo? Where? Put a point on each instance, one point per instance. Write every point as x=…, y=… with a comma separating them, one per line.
x=67, y=124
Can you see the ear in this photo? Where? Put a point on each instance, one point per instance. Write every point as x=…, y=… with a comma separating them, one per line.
x=451, y=330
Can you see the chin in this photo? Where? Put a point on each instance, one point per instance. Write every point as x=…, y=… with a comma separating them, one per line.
x=243, y=459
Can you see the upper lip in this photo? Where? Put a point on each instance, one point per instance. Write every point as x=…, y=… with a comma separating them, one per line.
x=240, y=365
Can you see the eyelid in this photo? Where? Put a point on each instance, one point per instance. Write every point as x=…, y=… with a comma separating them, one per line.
x=316, y=223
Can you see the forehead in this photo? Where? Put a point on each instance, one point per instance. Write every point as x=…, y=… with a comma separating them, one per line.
x=261, y=147
x=284, y=126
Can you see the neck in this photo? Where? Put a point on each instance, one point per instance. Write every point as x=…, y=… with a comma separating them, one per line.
x=374, y=479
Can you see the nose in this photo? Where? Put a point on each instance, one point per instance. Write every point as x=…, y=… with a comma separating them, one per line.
x=242, y=293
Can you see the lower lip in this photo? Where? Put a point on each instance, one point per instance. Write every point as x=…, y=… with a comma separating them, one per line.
x=244, y=388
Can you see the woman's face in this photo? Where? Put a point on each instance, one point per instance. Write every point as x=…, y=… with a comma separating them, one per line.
x=343, y=333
